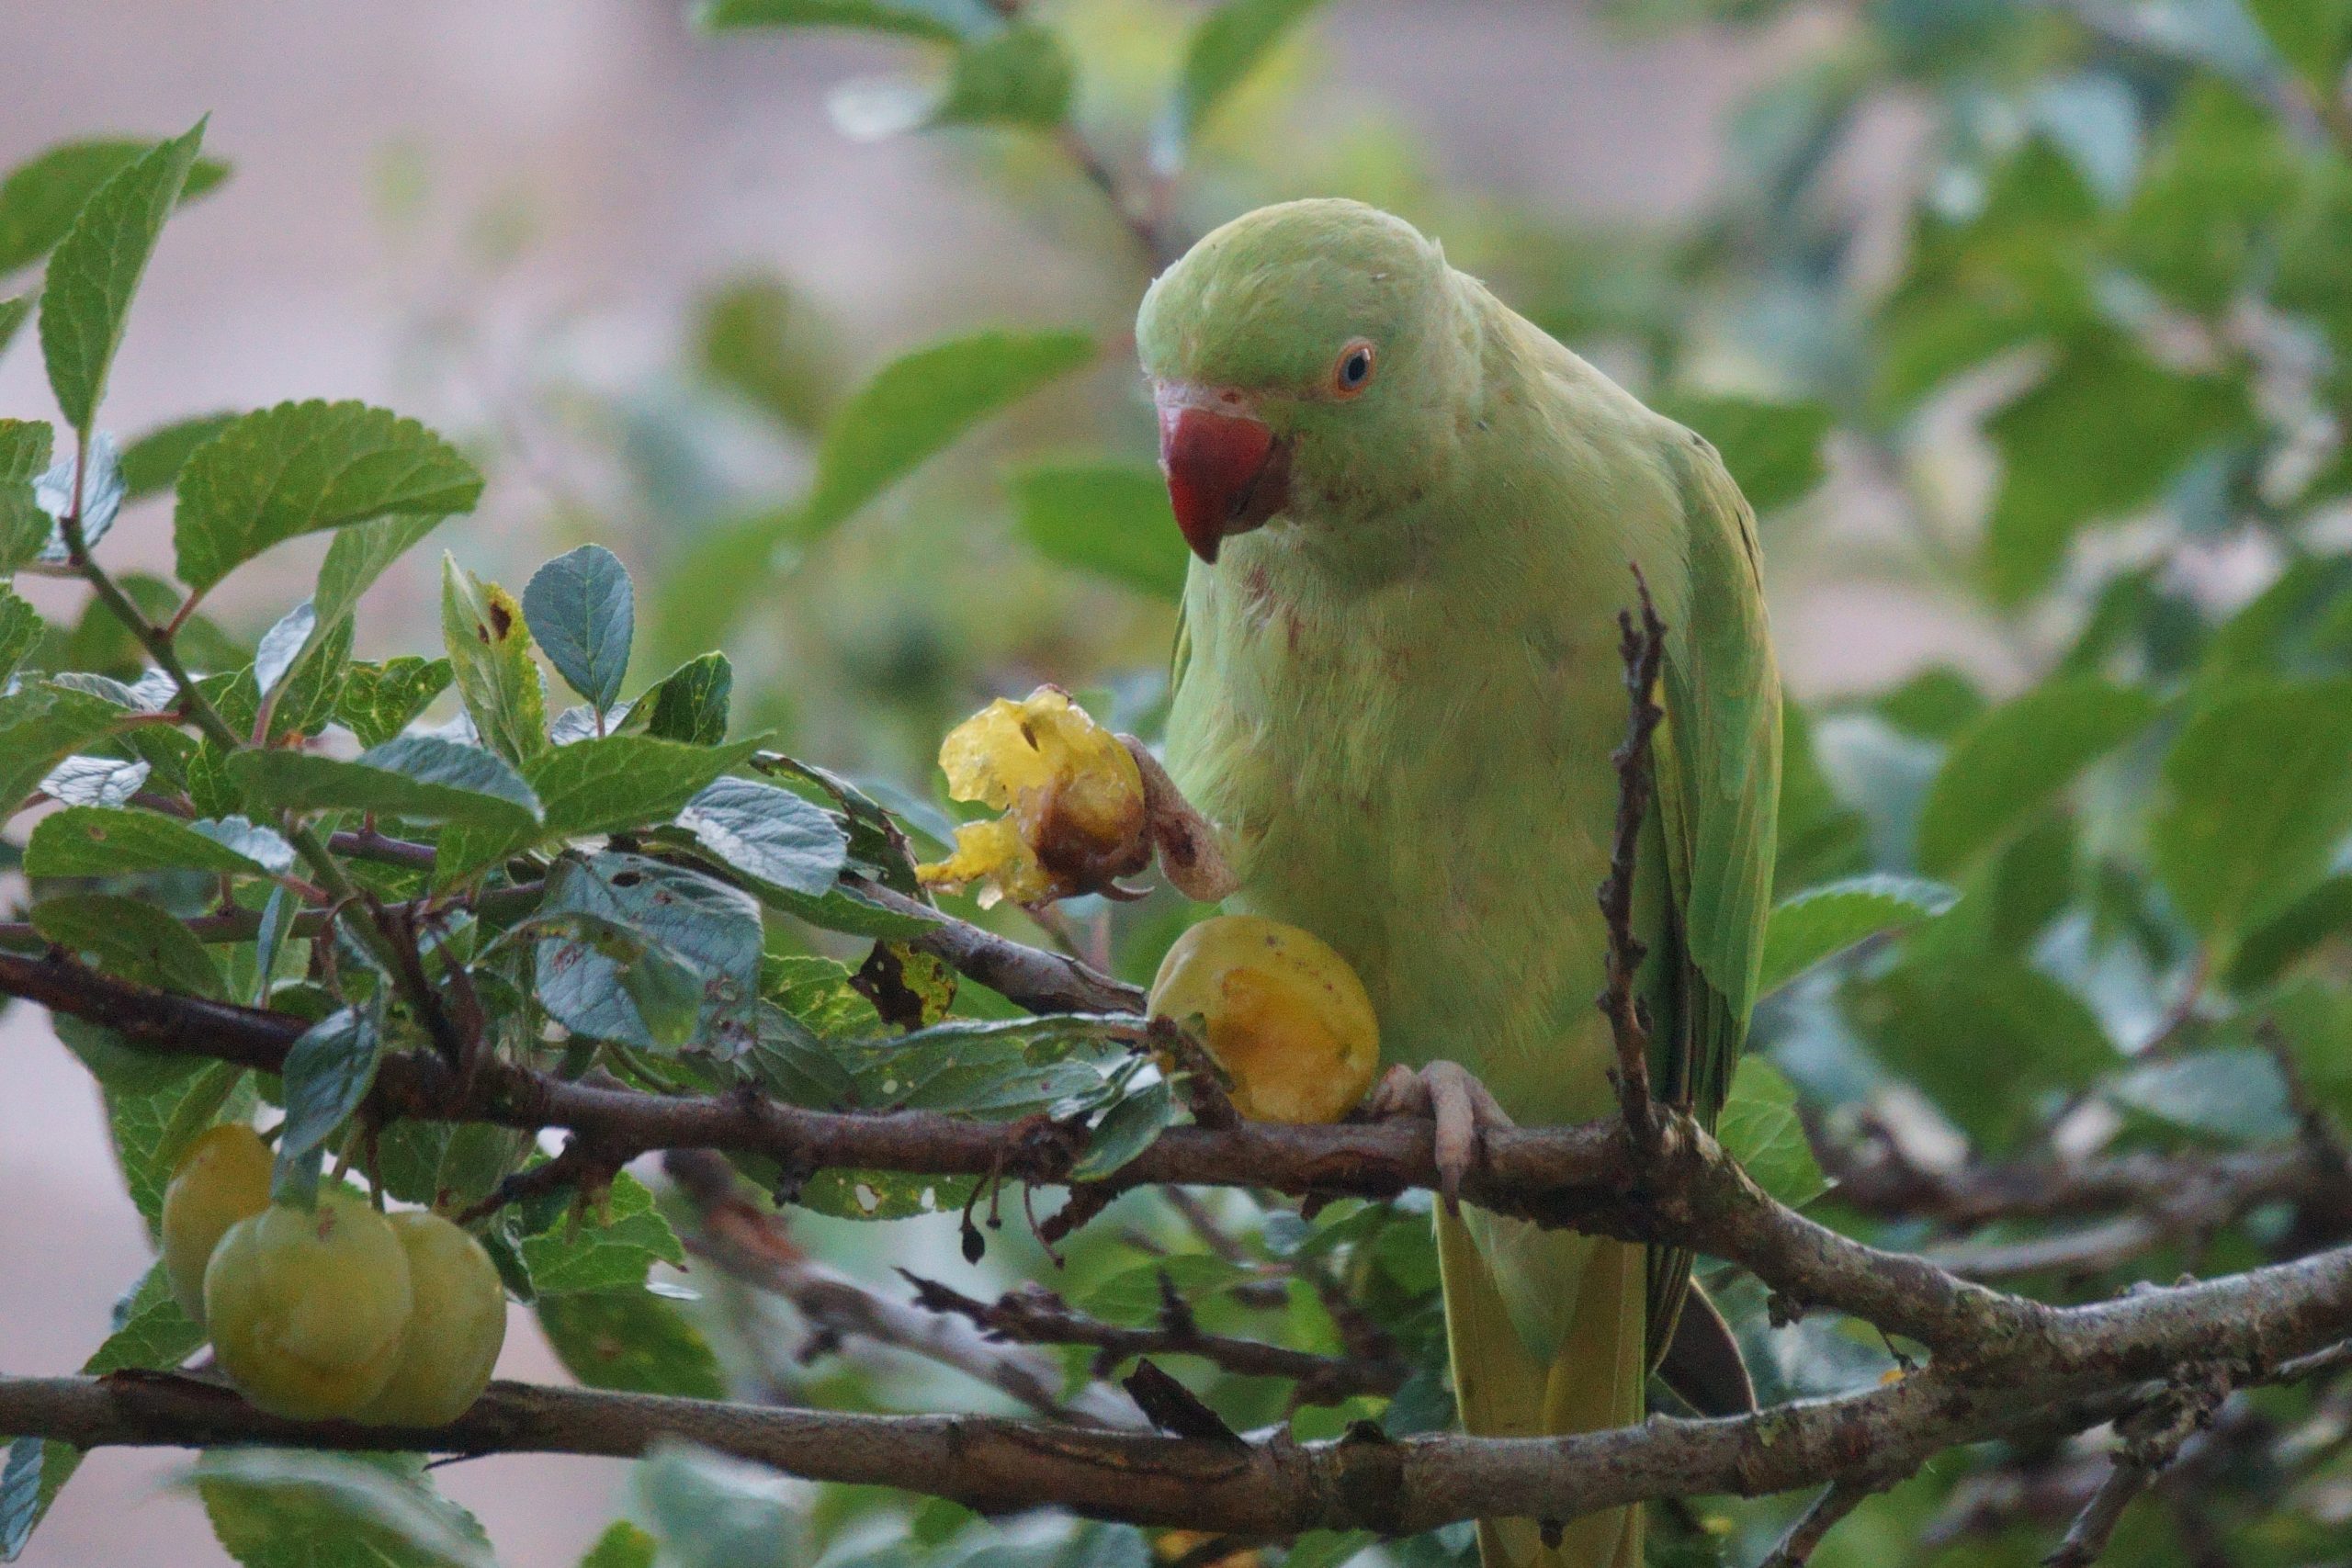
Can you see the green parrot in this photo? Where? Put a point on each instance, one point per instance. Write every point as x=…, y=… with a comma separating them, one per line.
x=1396, y=686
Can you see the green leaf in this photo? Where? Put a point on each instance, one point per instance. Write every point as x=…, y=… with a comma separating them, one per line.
x=2008, y=766
x=1821, y=922
x=606, y=785
x=1759, y=1128
x=302, y=1508
x=2259, y=793
x=1126, y=1130
x=913, y=408
x=328, y=1073
x=582, y=610
x=14, y=312
x=20, y=630
x=690, y=702
x=2320, y=915
x=622, y=1545
x=1983, y=1038
x=2315, y=1021
x=40, y=197
x=1225, y=48
x=421, y=777
x=130, y=938
x=2095, y=439
x=1772, y=450
x=102, y=841
x=25, y=528
x=152, y=1130
x=712, y=1511
x=378, y=701
x=85, y=300
x=40, y=725
x=357, y=557
x=769, y=834
x=761, y=340
x=1936, y=704
x=612, y=1254
x=1019, y=76
x=2235, y=1095
x=1111, y=519
x=789, y=1062
x=946, y=21
x=301, y=468
x=151, y=464
x=2312, y=36
x=490, y=655
x=710, y=930
x=631, y=1341
x=150, y=1331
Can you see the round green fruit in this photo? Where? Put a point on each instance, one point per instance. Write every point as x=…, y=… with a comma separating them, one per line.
x=1281, y=1011
x=223, y=1178
x=454, y=1332
x=306, y=1307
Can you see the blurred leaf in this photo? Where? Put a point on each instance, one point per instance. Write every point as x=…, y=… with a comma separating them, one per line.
x=41, y=196
x=1111, y=519
x=583, y=609
x=622, y=1545
x=944, y=20
x=2320, y=915
x=2235, y=1095
x=1126, y=1130
x=631, y=1341
x=759, y=339
x=1941, y=1026
x=1760, y=1129
x=2013, y=762
x=1225, y=48
x=1772, y=450
x=788, y=1060
x=421, y=777
x=25, y=528
x=1819, y=839
x=1935, y=704
x=357, y=556
x=151, y=464
x=304, y=1508
x=2259, y=793
x=690, y=702
x=2098, y=437
x=1020, y=76
x=2316, y=1022
x=2202, y=215
x=1820, y=922
x=769, y=834
x=85, y=297
x=299, y=468
x=711, y=1511
x=130, y=938
x=710, y=929
x=328, y=1073
x=101, y=840
x=378, y=701
x=2312, y=36
x=610, y=1253
x=14, y=312
x=489, y=655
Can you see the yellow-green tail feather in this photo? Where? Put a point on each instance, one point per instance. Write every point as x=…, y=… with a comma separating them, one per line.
x=1594, y=1381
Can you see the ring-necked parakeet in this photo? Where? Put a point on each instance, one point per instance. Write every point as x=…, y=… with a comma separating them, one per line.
x=1396, y=688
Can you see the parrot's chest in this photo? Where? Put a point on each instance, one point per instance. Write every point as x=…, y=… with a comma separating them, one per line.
x=1426, y=785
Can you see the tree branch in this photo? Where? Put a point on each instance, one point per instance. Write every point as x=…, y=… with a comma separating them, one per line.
x=1642, y=647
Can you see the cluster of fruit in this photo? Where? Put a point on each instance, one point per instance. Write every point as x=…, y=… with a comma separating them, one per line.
x=336, y=1311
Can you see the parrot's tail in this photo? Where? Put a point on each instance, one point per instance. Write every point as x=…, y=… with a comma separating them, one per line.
x=1594, y=1381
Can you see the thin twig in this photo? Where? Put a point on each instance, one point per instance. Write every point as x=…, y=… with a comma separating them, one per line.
x=1642, y=647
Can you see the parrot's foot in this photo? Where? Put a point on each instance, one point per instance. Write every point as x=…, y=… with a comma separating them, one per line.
x=1462, y=1108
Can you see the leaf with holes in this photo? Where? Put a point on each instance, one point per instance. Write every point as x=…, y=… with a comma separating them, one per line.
x=710, y=929
x=489, y=655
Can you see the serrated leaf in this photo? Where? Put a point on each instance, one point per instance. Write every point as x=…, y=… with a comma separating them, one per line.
x=2009, y=764
x=1225, y=48
x=103, y=840
x=304, y=1508
x=601, y=785
x=41, y=196
x=1111, y=519
x=944, y=20
x=709, y=928
x=151, y=464
x=631, y=1341
x=489, y=655
x=1772, y=450
x=86, y=298
x=95, y=780
x=610, y=1254
x=769, y=834
x=40, y=725
x=379, y=701
x=131, y=938
x=1760, y=1129
x=1820, y=922
x=20, y=631
x=583, y=609
x=328, y=1073
x=301, y=468
x=421, y=777
x=151, y=1131
x=2259, y=792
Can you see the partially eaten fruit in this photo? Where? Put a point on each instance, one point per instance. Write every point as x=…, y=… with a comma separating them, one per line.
x=1278, y=1009
x=223, y=1178
x=455, y=1332
x=308, y=1307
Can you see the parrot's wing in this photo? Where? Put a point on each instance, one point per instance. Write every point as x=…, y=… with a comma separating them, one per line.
x=1717, y=759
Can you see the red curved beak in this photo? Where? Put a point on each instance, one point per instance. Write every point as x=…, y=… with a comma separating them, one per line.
x=1226, y=472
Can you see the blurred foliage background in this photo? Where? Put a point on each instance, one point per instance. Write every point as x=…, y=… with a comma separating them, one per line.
x=2027, y=325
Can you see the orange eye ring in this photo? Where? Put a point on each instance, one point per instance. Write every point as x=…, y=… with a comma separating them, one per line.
x=1352, y=372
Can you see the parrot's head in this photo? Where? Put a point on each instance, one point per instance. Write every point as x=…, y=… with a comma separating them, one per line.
x=1306, y=359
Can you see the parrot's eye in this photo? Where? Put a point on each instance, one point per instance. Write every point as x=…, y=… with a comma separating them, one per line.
x=1352, y=373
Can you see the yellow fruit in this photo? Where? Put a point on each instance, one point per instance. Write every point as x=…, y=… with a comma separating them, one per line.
x=306, y=1307
x=1072, y=796
x=1280, y=1010
x=223, y=1178
x=454, y=1332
